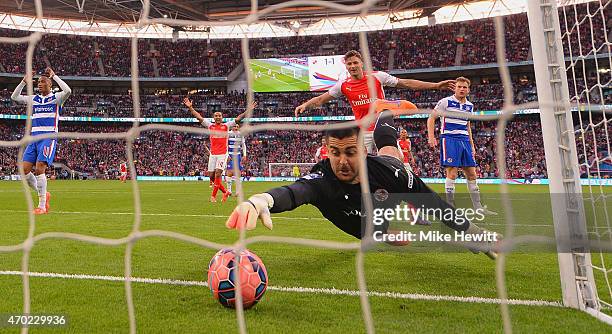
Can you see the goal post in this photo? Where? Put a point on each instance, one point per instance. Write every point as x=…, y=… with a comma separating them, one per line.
x=286, y=168
x=575, y=267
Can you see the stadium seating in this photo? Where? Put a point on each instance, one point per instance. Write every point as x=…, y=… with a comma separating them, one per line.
x=417, y=47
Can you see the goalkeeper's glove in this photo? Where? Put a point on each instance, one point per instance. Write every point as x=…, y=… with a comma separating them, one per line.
x=246, y=213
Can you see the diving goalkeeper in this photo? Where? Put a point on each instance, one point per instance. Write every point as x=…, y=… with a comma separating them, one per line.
x=333, y=186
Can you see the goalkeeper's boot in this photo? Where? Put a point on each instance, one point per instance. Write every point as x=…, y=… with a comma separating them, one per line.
x=486, y=211
x=47, y=201
x=40, y=211
x=489, y=248
x=225, y=196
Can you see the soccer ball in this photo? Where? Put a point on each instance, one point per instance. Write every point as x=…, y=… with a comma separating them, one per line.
x=222, y=277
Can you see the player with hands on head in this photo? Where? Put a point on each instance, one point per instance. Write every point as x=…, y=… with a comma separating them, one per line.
x=46, y=109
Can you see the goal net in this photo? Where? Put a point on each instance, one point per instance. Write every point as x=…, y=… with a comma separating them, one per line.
x=289, y=169
x=291, y=71
x=575, y=119
x=578, y=52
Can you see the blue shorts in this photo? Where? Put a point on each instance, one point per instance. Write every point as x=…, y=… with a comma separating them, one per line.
x=230, y=162
x=42, y=150
x=456, y=152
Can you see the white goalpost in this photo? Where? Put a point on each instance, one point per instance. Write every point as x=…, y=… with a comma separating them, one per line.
x=290, y=71
x=579, y=287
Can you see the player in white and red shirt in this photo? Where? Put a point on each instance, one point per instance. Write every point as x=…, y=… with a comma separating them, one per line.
x=355, y=88
x=218, y=145
x=123, y=171
x=321, y=153
x=405, y=147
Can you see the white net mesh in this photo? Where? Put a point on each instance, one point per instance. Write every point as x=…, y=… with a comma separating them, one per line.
x=595, y=145
x=586, y=42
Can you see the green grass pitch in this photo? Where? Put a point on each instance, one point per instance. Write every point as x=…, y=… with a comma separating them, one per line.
x=105, y=209
x=280, y=83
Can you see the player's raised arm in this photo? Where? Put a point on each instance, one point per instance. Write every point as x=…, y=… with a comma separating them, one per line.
x=316, y=101
x=189, y=104
x=240, y=117
x=16, y=95
x=66, y=90
x=424, y=85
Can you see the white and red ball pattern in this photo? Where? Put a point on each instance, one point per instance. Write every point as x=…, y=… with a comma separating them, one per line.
x=222, y=277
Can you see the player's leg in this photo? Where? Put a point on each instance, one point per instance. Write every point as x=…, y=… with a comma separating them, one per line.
x=237, y=161
x=219, y=168
x=368, y=141
x=29, y=159
x=385, y=136
x=474, y=190
x=212, y=162
x=46, y=154
x=449, y=159
x=41, y=185
x=469, y=169
x=229, y=175
x=449, y=184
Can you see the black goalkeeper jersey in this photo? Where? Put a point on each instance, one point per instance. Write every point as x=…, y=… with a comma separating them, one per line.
x=340, y=202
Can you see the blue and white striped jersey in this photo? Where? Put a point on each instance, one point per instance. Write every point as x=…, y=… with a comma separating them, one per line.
x=456, y=127
x=45, y=109
x=236, y=144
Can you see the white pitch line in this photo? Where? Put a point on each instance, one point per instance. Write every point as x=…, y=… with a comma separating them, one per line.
x=222, y=216
x=326, y=291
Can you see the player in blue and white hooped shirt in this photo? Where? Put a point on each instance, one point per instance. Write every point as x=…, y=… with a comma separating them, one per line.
x=456, y=143
x=38, y=155
x=237, y=151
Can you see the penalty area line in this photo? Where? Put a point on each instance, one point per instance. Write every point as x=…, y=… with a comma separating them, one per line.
x=325, y=291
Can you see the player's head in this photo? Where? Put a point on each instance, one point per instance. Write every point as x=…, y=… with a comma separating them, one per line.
x=403, y=134
x=44, y=85
x=218, y=117
x=236, y=128
x=462, y=87
x=324, y=141
x=343, y=148
x=354, y=63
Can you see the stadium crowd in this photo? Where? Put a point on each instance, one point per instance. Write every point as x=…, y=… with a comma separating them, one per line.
x=412, y=48
x=179, y=154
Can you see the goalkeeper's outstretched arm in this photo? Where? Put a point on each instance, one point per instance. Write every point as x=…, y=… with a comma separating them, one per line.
x=275, y=200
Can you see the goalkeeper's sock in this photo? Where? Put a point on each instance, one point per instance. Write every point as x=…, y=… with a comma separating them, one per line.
x=41, y=187
x=450, y=191
x=31, y=179
x=474, y=193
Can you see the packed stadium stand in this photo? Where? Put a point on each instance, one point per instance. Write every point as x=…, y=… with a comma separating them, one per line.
x=448, y=45
x=102, y=56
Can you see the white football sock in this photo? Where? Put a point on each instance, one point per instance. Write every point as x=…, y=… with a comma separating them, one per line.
x=474, y=193
x=450, y=191
x=41, y=186
x=230, y=180
x=31, y=179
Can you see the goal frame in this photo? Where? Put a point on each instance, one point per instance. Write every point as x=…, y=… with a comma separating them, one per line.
x=575, y=266
x=289, y=164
